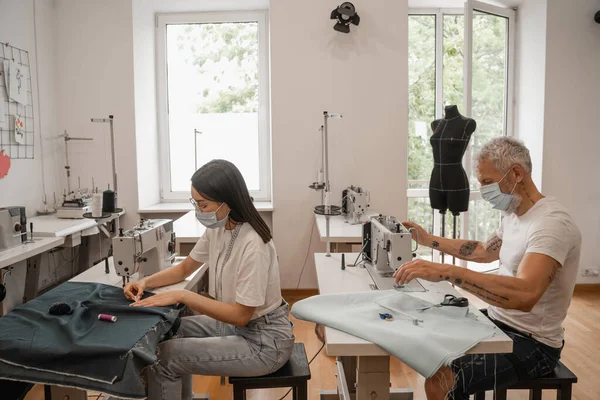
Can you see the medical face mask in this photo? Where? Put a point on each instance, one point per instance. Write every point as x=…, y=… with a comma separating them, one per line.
x=498, y=199
x=209, y=219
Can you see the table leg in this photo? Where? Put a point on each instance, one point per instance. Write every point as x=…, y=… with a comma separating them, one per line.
x=365, y=378
x=32, y=278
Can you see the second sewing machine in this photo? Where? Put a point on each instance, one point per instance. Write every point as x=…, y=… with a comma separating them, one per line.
x=147, y=248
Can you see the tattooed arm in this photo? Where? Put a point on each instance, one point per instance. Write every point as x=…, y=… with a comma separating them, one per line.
x=469, y=250
x=522, y=292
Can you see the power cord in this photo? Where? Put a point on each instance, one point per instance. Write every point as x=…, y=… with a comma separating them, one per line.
x=311, y=360
x=312, y=229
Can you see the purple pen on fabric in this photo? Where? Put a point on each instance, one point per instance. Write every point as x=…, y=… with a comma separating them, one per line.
x=106, y=317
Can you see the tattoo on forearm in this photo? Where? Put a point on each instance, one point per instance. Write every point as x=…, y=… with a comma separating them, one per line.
x=493, y=244
x=481, y=292
x=435, y=244
x=468, y=248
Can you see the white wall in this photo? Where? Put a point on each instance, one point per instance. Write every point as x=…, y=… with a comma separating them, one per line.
x=24, y=183
x=571, y=133
x=530, y=68
x=364, y=76
x=95, y=59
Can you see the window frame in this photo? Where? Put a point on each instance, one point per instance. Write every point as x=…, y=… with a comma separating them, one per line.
x=467, y=12
x=264, y=106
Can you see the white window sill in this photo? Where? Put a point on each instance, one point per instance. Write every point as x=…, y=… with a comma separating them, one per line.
x=159, y=208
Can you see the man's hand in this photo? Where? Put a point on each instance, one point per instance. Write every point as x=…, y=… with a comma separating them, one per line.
x=427, y=270
x=419, y=234
x=162, y=299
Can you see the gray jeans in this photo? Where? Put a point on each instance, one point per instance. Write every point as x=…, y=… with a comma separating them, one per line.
x=261, y=347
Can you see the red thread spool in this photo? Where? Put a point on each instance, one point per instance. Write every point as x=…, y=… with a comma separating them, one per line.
x=106, y=317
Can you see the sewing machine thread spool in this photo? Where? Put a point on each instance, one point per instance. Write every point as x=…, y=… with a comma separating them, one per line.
x=97, y=201
x=109, y=201
x=107, y=318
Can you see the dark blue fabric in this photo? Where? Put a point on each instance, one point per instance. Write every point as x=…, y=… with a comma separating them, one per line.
x=79, y=345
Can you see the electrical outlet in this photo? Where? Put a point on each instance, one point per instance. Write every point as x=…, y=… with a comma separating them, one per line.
x=590, y=272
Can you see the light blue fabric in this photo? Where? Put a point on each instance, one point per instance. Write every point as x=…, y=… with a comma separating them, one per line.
x=444, y=334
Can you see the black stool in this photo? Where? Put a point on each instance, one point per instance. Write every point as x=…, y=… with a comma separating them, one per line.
x=561, y=380
x=295, y=374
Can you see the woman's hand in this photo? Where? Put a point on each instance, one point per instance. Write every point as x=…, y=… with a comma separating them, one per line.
x=167, y=298
x=134, y=290
x=419, y=234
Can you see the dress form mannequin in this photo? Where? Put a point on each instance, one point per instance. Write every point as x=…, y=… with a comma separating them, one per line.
x=449, y=183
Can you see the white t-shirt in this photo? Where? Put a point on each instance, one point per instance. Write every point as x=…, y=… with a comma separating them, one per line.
x=250, y=277
x=547, y=229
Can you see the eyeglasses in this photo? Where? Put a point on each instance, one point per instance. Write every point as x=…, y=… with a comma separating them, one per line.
x=194, y=203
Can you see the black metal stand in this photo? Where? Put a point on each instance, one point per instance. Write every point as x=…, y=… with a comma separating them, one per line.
x=454, y=215
x=443, y=230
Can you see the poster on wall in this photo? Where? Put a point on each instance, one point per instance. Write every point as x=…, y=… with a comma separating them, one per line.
x=17, y=82
x=4, y=164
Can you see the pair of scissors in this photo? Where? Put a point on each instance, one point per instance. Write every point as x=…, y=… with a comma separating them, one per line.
x=449, y=301
x=453, y=301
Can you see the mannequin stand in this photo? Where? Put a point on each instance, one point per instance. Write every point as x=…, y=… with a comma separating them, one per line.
x=443, y=230
x=454, y=234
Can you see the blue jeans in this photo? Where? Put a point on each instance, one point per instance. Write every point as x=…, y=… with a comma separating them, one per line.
x=261, y=347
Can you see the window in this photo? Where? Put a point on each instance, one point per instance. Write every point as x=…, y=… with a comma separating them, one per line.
x=480, y=85
x=213, y=93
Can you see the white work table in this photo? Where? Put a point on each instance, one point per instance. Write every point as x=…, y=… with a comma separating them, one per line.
x=332, y=279
x=23, y=252
x=187, y=229
x=52, y=226
x=97, y=274
x=340, y=231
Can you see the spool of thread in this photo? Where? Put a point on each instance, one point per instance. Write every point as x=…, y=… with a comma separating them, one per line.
x=109, y=201
x=107, y=318
x=97, y=205
x=320, y=176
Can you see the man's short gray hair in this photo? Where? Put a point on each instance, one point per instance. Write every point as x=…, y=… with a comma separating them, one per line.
x=504, y=152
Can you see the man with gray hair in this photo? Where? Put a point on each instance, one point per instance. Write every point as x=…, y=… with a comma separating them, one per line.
x=538, y=246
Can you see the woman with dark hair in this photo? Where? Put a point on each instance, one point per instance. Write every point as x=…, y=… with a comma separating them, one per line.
x=244, y=329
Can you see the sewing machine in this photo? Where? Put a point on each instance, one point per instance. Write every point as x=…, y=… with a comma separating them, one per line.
x=147, y=248
x=387, y=244
x=355, y=202
x=13, y=227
